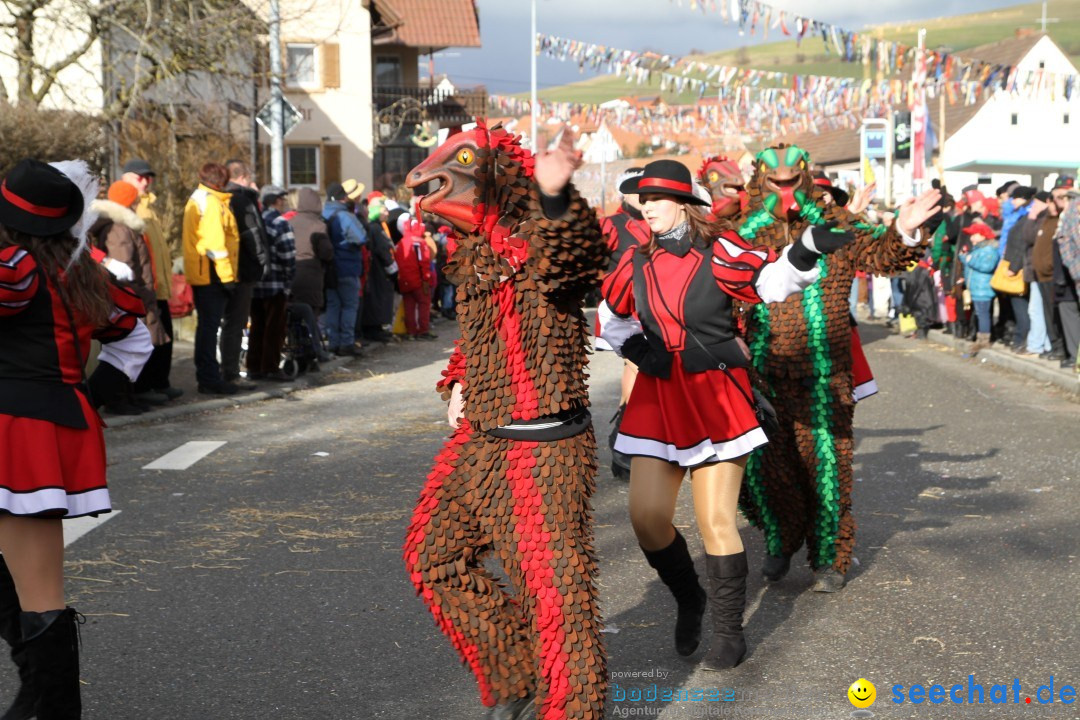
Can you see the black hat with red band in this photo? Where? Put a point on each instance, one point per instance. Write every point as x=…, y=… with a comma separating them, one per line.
x=37, y=199
x=664, y=177
x=839, y=196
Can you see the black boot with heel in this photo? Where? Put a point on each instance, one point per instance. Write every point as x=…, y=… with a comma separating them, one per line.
x=22, y=708
x=676, y=570
x=727, y=602
x=51, y=643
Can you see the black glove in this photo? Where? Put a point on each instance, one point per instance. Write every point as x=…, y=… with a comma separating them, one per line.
x=828, y=238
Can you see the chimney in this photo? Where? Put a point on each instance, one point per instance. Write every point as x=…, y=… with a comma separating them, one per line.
x=1026, y=32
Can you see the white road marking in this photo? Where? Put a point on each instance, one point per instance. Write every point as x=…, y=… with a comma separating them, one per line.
x=185, y=456
x=77, y=527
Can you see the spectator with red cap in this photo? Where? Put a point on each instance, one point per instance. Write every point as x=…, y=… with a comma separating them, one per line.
x=415, y=279
x=979, y=265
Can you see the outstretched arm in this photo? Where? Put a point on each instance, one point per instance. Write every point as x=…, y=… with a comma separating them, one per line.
x=884, y=251
x=566, y=241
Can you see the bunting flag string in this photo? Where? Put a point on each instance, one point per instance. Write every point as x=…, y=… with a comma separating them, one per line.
x=686, y=74
x=886, y=56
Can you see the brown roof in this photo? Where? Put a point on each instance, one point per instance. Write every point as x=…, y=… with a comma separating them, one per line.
x=431, y=24
x=839, y=146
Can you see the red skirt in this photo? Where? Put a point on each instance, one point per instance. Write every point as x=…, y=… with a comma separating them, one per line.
x=690, y=418
x=52, y=470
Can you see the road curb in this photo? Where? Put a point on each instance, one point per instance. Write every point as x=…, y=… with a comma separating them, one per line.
x=220, y=403
x=1034, y=369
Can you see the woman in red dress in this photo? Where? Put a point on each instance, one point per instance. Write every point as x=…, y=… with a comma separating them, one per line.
x=692, y=406
x=54, y=298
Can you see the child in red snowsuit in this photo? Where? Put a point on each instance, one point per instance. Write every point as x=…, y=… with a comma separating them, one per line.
x=415, y=280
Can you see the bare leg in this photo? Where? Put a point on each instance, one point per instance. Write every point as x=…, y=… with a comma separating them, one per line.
x=629, y=375
x=34, y=551
x=716, y=500
x=654, y=488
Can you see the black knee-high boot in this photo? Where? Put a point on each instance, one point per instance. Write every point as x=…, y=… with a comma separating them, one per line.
x=676, y=570
x=51, y=642
x=23, y=706
x=727, y=602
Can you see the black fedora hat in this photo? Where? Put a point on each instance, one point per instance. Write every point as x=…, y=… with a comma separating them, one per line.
x=37, y=199
x=666, y=177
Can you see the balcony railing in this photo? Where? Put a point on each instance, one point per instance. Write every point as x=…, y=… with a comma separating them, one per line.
x=447, y=107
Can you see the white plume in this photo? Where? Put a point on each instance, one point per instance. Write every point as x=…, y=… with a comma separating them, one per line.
x=79, y=173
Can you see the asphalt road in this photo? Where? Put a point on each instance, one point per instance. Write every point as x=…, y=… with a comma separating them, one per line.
x=265, y=581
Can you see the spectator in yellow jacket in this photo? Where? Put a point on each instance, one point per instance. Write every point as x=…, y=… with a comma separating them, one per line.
x=211, y=243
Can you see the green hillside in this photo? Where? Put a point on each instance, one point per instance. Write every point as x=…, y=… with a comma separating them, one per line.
x=954, y=33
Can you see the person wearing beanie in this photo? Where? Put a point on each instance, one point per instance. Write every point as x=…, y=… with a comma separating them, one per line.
x=377, y=306
x=269, y=300
x=119, y=233
x=979, y=265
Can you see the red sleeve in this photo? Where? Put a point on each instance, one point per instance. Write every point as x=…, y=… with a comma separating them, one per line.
x=736, y=264
x=610, y=232
x=454, y=372
x=18, y=280
x=127, y=309
x=618, y=288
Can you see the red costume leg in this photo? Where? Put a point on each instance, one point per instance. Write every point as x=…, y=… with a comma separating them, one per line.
x=444, y=547
x=546, y=548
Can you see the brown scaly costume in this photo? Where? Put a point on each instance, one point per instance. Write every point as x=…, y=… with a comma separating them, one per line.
x=500, y=483
x=798, y=488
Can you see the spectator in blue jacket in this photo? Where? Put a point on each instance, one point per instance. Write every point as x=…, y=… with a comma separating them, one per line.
x=348, y=237
x=979, y=265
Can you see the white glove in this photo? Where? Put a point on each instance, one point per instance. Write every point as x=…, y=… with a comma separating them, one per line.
x=119, y=270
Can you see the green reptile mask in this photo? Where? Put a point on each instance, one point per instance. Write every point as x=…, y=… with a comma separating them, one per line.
x=782, y=179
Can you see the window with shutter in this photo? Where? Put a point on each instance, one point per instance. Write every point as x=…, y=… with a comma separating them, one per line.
x=331, y=157
x=331, y=65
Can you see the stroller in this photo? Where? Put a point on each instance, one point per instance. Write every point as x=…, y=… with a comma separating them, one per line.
x=298, y=354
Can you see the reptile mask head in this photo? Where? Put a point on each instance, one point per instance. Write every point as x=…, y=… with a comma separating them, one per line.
x=722, y=177
x=782, y=180
x=483, y=174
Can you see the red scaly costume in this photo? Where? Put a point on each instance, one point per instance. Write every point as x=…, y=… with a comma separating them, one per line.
x=517, y=474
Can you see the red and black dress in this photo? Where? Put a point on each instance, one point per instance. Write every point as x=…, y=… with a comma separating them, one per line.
x=53, y=460
x=672, y=317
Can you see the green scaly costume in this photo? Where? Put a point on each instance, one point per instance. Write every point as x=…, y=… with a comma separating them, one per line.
x=798, y=487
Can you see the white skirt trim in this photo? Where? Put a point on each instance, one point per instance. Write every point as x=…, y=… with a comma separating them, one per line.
x=865, y=390
x=705, y=451
x=55, y=500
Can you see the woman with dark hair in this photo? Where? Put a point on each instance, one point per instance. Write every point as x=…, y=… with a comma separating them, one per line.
x=54, y=299
x=692, y=406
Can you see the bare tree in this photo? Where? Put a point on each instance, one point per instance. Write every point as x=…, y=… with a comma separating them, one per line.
x=132, y=46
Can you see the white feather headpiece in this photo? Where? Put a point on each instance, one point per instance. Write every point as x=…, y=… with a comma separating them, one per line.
x=78, y=172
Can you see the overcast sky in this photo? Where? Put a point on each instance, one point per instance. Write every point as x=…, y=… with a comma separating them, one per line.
x=502, y=64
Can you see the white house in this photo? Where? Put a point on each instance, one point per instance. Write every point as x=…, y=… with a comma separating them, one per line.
x=998, y=138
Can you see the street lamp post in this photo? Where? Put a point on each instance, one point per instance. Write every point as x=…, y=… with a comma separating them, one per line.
x=535, y=109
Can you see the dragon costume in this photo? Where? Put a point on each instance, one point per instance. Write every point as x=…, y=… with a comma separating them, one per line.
x=723, y=179
x=516, y=476
x=798, y=488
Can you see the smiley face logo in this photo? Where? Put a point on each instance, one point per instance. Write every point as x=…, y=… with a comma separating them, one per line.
x=862, y=693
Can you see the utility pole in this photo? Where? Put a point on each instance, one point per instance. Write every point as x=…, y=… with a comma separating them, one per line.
x=535, y=108
x=277, y=125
